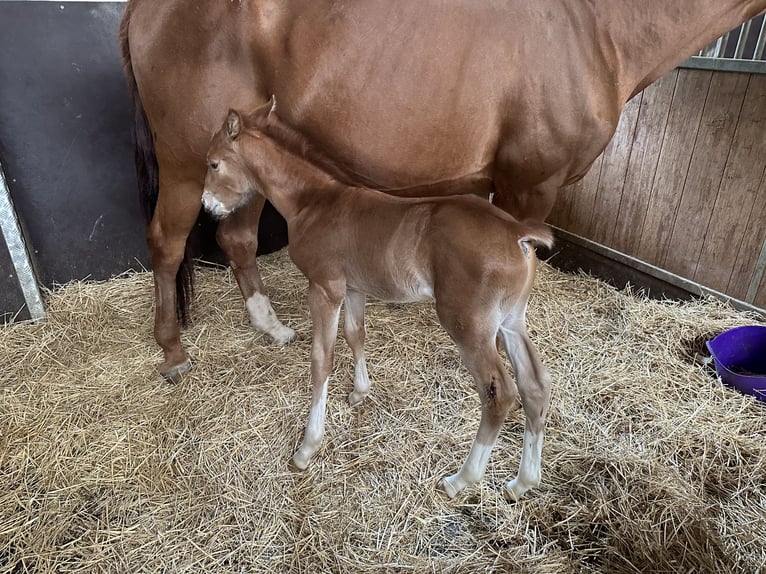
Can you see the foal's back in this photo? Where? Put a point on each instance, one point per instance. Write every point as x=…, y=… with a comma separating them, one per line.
x=403, y=250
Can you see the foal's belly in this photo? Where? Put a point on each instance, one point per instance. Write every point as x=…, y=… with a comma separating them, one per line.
x=395, y=286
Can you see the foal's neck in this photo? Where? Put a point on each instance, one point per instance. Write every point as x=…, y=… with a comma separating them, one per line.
x=286, y=179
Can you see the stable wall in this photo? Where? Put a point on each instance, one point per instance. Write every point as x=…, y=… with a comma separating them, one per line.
x=682, y=184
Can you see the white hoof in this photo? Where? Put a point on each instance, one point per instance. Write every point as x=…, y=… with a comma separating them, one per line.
x=355, y=399
x=283, y=335
x=515, y=489
x=452, y=485
x=301, y=460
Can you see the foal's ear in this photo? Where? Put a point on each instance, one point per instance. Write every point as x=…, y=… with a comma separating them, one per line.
x=233, y=124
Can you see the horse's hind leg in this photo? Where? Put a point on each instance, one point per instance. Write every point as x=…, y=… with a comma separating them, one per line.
x=353, y=327
x=496, y=391
x=178, y=206
x=238, y=237
x=534, y=384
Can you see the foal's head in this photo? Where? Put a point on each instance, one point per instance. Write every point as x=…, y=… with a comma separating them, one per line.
x=228, y=183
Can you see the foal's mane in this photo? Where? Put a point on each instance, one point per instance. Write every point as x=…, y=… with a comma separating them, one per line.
x=295, y=142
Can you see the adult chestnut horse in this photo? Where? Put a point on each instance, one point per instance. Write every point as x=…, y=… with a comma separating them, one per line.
x=509, y=96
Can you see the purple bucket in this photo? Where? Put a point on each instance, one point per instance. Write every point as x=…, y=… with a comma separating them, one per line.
x=740, y=359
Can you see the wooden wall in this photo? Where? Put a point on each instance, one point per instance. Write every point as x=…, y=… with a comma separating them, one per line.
x=682, y=185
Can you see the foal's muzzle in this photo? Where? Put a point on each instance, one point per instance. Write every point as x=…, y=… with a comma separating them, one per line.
x=213, y=205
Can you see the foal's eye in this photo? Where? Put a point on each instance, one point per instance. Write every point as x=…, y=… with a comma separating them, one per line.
x=214, y=165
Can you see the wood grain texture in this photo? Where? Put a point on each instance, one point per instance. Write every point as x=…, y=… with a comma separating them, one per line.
x=611, y=181
x=728, y=240
x=673, y=165
x=642, y=165
x=583, y=198
x=708, y=162
x=683, y=183
x=750, y=247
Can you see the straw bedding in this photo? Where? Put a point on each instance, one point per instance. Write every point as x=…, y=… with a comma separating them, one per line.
x=649, y=464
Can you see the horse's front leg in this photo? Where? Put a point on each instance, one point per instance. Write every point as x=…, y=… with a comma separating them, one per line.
x=178, y=206
x=238, y=237
x=353, y=326
x=324, y=305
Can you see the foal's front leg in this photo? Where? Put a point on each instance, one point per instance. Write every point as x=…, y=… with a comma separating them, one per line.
x=353, y=326
x=324, y=305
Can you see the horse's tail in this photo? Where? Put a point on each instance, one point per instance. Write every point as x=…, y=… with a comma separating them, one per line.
x=536, y=234
x=147, y=171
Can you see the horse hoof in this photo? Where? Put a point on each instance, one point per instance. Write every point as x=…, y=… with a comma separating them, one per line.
x=354, y=399
x=283, y=336
x=513, y=491
x=300, y=461
x=173, y=374
x=448, y=487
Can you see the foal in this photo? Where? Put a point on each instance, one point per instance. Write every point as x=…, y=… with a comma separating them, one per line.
x=473, y=259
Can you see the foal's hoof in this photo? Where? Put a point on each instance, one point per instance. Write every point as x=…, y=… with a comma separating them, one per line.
x=300, y=460
x=173, y=374
x=283, y=335
x=355, y=399
x=514, y=490
x=449, y=487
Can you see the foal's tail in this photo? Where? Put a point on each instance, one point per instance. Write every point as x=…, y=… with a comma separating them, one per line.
x=147, y=170
x=536, y=234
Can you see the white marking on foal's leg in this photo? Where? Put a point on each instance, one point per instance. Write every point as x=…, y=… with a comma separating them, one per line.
x=263, y=318
x=471, y=472
x=361, y=383
x=312, y=438
x=529, y=467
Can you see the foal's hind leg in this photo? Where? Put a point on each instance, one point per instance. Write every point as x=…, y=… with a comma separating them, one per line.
x=496, y=390
x=238, y=237
x=353, y=326
x=534, y=385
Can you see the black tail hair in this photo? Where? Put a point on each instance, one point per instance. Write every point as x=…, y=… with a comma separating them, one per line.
x=147, y=173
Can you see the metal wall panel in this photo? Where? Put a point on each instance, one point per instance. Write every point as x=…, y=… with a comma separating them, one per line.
x=65, y=140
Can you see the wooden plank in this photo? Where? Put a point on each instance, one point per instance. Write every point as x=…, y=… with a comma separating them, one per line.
x=759, y=298
x=614, y=165
x=737, y=195
x=673, y=165
x=583, y=195
x=714, y=140
x=750, y=247
x=642, y=165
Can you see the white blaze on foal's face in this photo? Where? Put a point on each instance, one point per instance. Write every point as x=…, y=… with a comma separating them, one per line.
x=227, y=186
